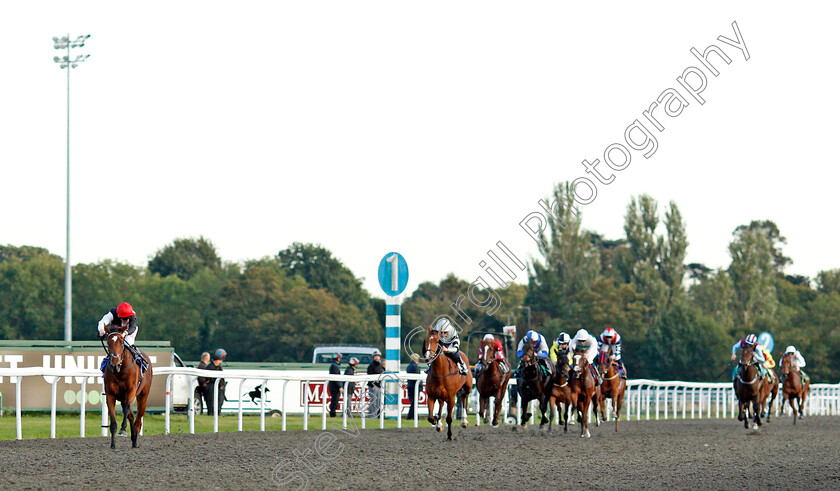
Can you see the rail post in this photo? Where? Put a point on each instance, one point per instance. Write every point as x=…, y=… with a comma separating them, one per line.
x=84, y=403
x=239, y=417
x=283, y=405
x=191, y=407
x=52, y=406
x=262, y=405
x=18, y=382
x=167, y=400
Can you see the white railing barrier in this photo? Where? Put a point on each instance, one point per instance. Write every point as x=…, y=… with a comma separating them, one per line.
x=823, y=399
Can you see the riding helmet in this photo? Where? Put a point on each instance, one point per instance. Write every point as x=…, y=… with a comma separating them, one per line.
x=125, y=310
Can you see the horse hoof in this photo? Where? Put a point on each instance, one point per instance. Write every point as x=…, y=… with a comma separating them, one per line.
x=122, y=433
x=439, y=429
x=464, y=424
x=495, y=425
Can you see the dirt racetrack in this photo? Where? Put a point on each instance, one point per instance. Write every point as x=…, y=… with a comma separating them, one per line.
x=686, y=454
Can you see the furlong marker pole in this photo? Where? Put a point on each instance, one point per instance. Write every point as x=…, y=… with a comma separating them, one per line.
x=393, y=389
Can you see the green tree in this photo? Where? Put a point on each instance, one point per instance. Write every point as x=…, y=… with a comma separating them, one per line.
x=570, y=262
x=267, y=315
x=714, y=296
x=770, y=230
x=31, y=294
x=654, y=263
x=753, y=276
x=185, y=257
x=320, y=269
x=828, y=281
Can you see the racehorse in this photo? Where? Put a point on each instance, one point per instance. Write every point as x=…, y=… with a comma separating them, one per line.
x=560, y=396
x=793, y=387
x=612, y=388
x=582, y=389
x=491, y=382
x=531, y=385
x=444, y=383
x=748, y=386
x=770, y=390
x=125, y=382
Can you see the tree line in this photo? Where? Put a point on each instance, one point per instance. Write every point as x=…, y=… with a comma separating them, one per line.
x=678, y=320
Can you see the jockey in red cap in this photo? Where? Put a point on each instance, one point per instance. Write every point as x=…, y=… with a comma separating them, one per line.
x=123, y=316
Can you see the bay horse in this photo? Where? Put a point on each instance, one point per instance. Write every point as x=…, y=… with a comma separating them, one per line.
x=491, y=382
x=444, y=383
x=582, y=387
x=123, y=383
x=793, y=388
x=560, y=395
x=531, y=385
x=748, y=387
x=770, y=391
x=612, y=388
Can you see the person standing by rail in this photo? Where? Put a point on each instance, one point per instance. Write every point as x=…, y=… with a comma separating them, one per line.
x=215, y=364
x=333, y=386
x=351, y=386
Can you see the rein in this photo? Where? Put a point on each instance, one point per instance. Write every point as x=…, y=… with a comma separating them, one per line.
x=434, y=357
x=754, y=380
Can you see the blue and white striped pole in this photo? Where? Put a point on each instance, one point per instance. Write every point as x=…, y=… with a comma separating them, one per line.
x=393, y=278
x=393, y=391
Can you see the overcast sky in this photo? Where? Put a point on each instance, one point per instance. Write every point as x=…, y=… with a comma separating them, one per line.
x=428, y=128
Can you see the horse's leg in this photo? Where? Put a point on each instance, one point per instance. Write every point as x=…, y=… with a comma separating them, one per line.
x=524, y=403
x=581, y=414
x=543, y=406
x=802, y=401
x=617, y=403
x=441, y=403
x=500, y=396
x=464, y=402
x=543, y=400
x=112, y=402
x=757, y=409
x=483, y=402
x=566, y=417
x=450, y=408
x=125, y=408
x=138, y=420
x=430, y=404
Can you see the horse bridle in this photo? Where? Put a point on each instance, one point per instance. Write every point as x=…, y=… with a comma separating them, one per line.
x=120, y=356
x=754, y=380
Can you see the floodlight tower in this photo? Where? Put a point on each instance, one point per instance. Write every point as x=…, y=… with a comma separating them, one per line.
x=65, y=62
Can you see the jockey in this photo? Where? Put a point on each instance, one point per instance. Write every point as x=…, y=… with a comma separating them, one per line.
x=769, y=363
x=540, y=350
x=797, y=361
x=122, y=315
x=451, y=344
x=758, y=355
x=560, y=348
x=587, y=342
x=489, y=339
x=611, y=343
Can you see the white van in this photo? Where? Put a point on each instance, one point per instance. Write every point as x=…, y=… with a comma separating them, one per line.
x=324, y=353
x=182, y=389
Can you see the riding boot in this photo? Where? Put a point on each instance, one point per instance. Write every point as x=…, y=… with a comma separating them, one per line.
x=503, y=366
x=597, y=375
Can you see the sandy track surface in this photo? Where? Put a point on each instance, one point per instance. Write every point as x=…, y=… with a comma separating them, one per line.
x=686, y=454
